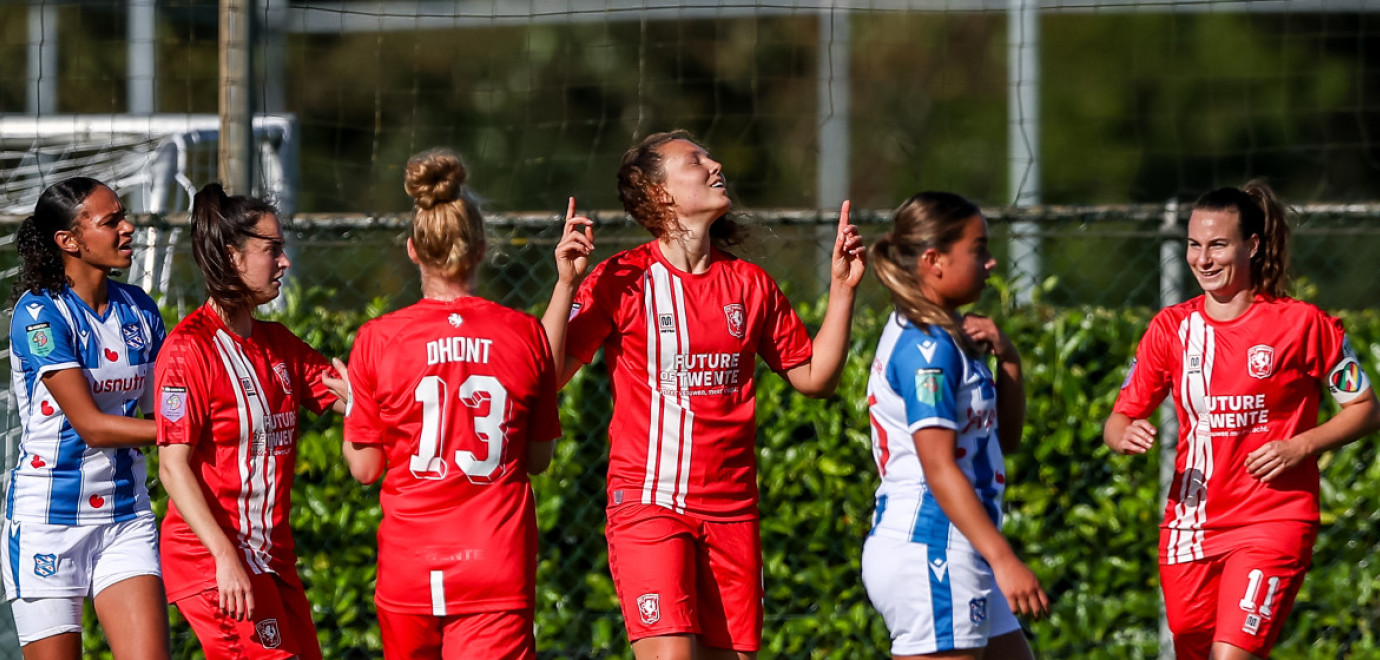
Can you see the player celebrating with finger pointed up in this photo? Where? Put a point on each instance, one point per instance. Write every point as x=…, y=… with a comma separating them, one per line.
x=681, y=322
x=1246, y=367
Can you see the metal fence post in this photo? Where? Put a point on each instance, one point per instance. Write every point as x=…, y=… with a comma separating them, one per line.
x=1171, y=293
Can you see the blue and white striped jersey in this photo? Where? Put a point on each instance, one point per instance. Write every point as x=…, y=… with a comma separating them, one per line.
x=922, y=379
x=59, y=480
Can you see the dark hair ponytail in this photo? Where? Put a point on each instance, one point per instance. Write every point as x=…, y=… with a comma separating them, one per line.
x=41, y=266
x=219, y=222
x=1260, y=213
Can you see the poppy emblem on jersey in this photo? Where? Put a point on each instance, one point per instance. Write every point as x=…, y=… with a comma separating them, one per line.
x=45, y=565
x=173, y=403
x=40, y=339
x=1260, y=361
x=47, y=408
x=1346, y=377
x=737, y=319
x=267, y=631
x=977, y=610
x=666, y=323
x=134, y=335
x=455, y=320
x=927, y=384
x=281, y=371
x=37, y=462
x=649, y=608
x=111, y=355
x=97, y=501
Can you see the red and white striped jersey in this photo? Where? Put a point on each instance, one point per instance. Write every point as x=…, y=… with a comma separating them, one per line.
x=681, y=348
x=453, y=392
x=235, y=400
x=1237, y=385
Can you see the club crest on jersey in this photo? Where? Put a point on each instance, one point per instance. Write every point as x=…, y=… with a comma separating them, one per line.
x=455, y=320
x=977, y=610
x=45, y=565
x=1260, y=361
x=172, y=404
x=280, y=370
x=649, y=608
x=40, y=339
x=267, y=631
x=737, y=319
x=666, y=323
x=134, y=335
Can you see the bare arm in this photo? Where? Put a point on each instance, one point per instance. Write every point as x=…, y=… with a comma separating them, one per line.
x=572, y=260
x=366, y=461
x=819, y=376
x=72, y=393
x=1128, y=436
x=539, y=456
x=1358, y=417
x=958, y=500
x=183, y=486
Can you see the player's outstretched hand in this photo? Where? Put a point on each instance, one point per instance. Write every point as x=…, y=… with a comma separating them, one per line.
x=984, y=332
x=340, y=387
x=236, y=594
x=1021, y=588
x=1138, y=438
x=575, y=246
x=1273, y=459
x=850, y=255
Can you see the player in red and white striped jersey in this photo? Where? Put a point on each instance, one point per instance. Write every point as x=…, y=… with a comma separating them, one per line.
x=456, y=397
x=229, y=390
x=682, y=323
x=1246, y=367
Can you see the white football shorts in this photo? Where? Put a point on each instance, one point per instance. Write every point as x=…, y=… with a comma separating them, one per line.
x=76, y=561
x=932, y=598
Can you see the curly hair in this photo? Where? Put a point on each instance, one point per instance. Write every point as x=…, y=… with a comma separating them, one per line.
x=58, y=208
x=640, y=175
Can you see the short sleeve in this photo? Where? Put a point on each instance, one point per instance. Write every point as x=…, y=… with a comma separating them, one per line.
x=927, y=373
x=42, y=337
x=1345, y=378
x=591, y=316
x=545, y=423
x=310, y=366
x=362, y=424
x=182, y=393
x=784, y=344
x=1148, y=381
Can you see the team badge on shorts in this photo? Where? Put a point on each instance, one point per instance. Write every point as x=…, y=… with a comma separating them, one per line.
x=45, y=565
x=737, y=319
x=40, y=339
x=977, y=610
x=1260, y=361
x=173, y=403
x=268, y=633
x=649, y=608
x=134, y=335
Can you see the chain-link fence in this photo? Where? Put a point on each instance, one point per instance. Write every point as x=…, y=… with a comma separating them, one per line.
x=1125, y=261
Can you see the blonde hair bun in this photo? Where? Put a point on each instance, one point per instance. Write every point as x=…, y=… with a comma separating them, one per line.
x=434, y=177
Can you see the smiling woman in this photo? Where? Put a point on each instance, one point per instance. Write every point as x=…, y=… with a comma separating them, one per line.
x=229, y=388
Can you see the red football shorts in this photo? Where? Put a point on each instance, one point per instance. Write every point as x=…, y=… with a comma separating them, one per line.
x=1241, y=598
x=281, y=627
x=498, y=635
x=677, y=574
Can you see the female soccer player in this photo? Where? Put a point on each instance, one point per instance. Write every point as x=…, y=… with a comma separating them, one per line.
x=936, y=565
x=681, y=322
x=456, y=397
x=77, y=513
x=229, y=388
x=1247, y=366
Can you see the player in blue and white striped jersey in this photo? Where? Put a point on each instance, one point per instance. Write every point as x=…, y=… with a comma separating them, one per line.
x=935, y=564
x=82, y=347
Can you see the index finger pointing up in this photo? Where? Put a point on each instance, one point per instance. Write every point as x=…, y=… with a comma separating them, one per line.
x=843, y=215
x=570, y=210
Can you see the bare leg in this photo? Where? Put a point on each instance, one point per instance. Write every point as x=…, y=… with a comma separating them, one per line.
x=962, y=654
x=1225, y=651
x=62, y=646
x=716, y=653
x=665, y=647
x=134, y=617
x=1012, y=645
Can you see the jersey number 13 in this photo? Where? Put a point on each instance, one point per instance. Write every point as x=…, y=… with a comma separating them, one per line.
x=474, y=393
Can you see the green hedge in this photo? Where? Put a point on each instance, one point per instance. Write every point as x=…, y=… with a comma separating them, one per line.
x=1083, y=518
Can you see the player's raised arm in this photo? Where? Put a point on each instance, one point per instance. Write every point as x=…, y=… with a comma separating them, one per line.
x=572, y=260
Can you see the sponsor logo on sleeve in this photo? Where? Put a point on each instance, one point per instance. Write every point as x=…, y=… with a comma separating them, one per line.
x=927, y=349
x=649, y=608
x=40, y=339
x=45, y=565
x=172, y=403
x=1130, y=373
x=34, y=309
x=574, y=309
x=927, y=385
x=267, y=631
x=1260, y=361
x=134, y=335
x=737, y=319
